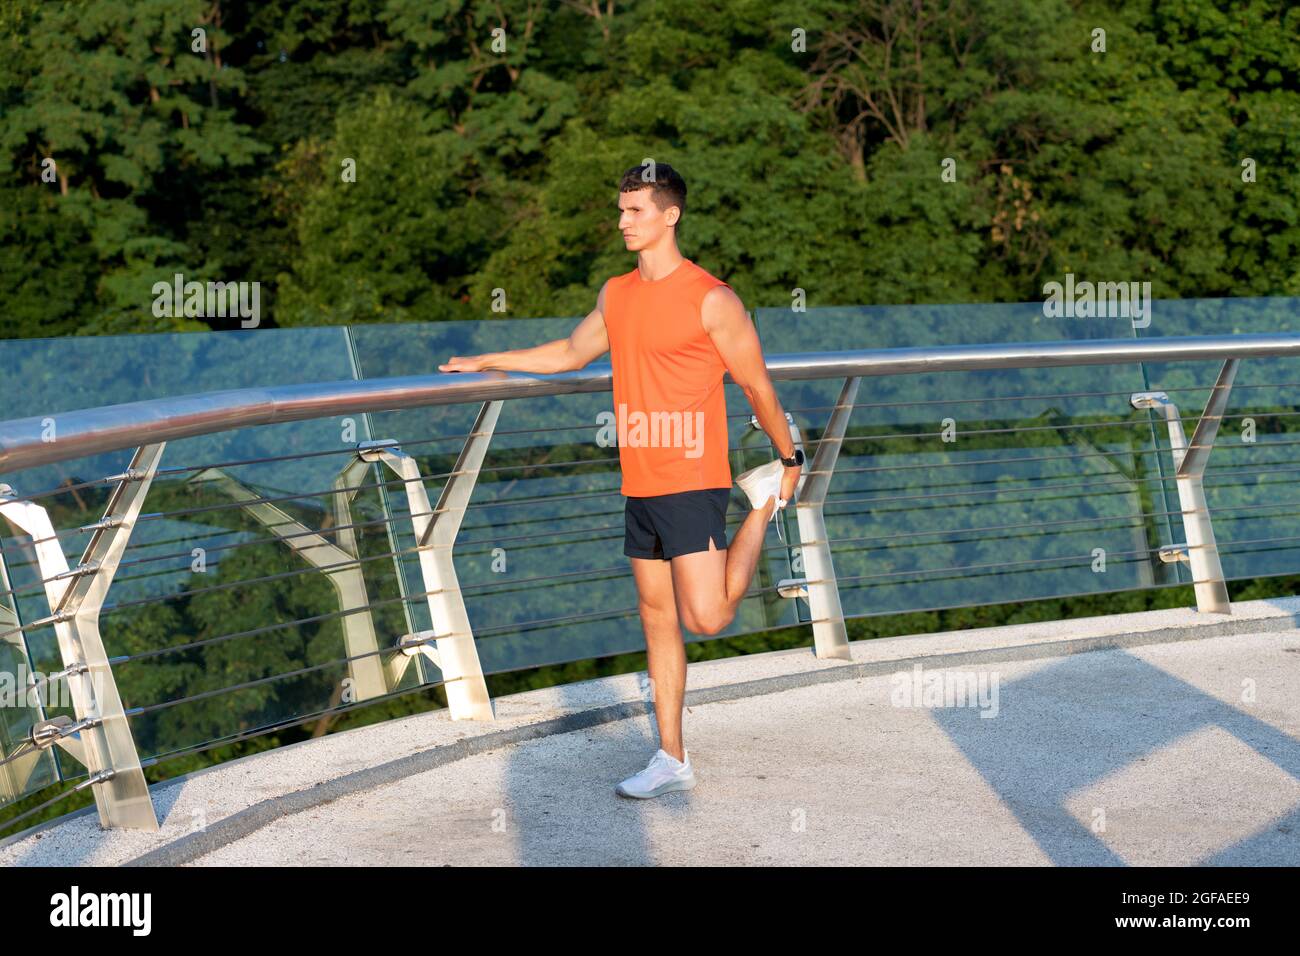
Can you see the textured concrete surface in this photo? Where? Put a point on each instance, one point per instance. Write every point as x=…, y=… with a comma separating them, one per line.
x=1165, y=744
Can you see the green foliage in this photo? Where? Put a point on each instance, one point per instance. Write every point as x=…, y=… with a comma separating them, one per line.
x=370, y=247
x=481, y=168
x=113, y=94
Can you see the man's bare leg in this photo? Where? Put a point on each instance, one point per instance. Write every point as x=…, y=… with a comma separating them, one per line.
x=709, y=585
x=743, y=554
x=665, y=648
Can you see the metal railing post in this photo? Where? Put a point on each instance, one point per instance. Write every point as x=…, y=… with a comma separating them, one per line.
x=1200, y=551
x=101, y=736
x=820, y=586
x=435, y=534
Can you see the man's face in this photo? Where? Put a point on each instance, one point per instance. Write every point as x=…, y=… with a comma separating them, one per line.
x=641, y=222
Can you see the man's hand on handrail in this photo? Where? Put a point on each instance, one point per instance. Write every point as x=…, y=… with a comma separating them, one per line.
x=464, y=363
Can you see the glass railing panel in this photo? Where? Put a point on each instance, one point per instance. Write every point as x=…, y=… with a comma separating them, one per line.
x=211, y=592
x=20, y=710
x=1250, y=479
x=47, y=376
x=964, y=488
x=294, y=581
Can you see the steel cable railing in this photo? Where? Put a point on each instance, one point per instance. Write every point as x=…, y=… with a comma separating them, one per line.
x=883, y=541
x=333, y=615
x=307, y=570
x=514, y=586
x=327, y=568
x=927, y=466
x=874, y=500
x=614, y=459
x=236, y=505
x=1047, y=486
x=315, y=494
x=482, y=632
x=32, y=590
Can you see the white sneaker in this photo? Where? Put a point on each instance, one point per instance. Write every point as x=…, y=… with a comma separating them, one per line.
x=663, y=774
x=762, y=483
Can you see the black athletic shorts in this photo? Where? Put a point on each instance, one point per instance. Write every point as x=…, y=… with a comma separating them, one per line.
x=664, y=526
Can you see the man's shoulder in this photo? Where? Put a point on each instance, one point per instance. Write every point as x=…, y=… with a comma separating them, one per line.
x=719, y=305
x=703, y=286
x=713, y=291
x=704, y=276
x=615, y=284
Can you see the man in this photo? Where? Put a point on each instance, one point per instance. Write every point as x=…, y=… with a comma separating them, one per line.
x=672, y=331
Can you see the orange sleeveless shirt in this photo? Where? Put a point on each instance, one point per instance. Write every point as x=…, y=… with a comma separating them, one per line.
x=669, y=405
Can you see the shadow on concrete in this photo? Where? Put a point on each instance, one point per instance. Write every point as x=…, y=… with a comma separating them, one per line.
x=1057, y=735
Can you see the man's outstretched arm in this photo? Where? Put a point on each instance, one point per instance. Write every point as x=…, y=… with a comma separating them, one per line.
x=585, y=344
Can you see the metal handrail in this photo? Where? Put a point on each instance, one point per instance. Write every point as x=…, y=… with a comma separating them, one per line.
x=115, y=427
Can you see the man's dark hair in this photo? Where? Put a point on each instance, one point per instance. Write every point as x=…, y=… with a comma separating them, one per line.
x=667, y=188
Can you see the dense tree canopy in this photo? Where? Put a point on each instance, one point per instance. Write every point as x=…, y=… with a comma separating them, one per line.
x=812, y=134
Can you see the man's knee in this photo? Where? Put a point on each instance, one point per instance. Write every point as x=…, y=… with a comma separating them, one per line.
x=658, y=611
x=708, y=621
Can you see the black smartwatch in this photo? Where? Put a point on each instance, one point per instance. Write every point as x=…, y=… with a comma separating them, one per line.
x=796, y=459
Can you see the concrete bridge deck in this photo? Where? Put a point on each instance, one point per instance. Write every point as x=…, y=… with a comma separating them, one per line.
x=1162, y=738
